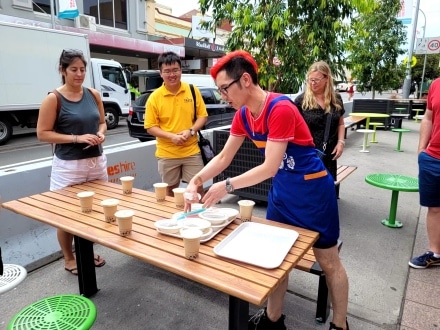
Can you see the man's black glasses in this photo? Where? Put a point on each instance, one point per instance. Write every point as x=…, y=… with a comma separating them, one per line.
x=224, y=90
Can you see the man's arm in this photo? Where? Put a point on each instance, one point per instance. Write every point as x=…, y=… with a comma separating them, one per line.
x=425, y=130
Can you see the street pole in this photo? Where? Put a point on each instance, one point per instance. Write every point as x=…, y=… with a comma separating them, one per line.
x=52, y=13
x=424, y=61
x=407, y=82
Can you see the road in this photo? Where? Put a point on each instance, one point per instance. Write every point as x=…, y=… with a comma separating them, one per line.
x=24, y=145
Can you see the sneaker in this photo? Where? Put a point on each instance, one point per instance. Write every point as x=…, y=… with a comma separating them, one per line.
x=260, y=321
x=424, y=261
x=334, y=327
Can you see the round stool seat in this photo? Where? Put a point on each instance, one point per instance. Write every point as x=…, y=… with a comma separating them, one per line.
x=365, y=131
x=62, y=312
x=12, y=276
x=402, y=130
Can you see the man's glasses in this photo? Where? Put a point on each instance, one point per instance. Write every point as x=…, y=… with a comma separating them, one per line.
x=224, y=90
x=315, y=81
x=170, y=72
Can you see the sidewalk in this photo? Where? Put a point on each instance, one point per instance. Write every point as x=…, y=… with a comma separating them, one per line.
x=384, y=292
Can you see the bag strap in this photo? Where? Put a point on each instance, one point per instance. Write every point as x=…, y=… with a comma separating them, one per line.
x=327, y=131
x=191, y=87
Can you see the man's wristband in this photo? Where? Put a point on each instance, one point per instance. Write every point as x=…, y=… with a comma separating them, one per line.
x=198, y=181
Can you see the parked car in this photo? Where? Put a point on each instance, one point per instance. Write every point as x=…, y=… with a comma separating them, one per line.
x=219, y=113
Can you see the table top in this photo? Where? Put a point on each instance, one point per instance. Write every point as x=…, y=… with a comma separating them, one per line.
x=247, y=282
x=393, y=182
x=369, y=114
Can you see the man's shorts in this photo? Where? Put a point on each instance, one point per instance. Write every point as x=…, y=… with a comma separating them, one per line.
x=429, y=180
x=70, y=172
x=172, y=170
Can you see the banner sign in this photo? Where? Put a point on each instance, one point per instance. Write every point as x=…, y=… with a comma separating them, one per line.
x=405, y=13
x=198, y=31
x=67, y=9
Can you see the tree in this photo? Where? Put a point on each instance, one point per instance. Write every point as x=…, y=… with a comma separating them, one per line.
x=374, y=46
x=432, y=68
x=293, y=34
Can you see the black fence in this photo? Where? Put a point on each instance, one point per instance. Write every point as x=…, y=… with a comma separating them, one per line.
x=247, y=157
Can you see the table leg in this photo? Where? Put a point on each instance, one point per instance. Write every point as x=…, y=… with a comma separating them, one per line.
x=365, y=143
x=399, y=140
x=391, y=221
x=238, y=314
x=417, y=114
x=86, y=267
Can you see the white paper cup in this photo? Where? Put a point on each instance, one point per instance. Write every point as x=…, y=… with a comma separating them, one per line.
x=125, y=221
x=110, y=206
x=127, y=184
x=178, y=197
x=160, y=189
x=191, y=242
x=86, y=200
x=246, y=208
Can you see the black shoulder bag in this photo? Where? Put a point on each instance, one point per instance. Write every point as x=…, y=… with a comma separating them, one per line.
x=204, y=144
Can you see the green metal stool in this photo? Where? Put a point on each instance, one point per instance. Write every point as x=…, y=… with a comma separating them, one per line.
x=400, y=131
x=375, y=124
x=62, y=312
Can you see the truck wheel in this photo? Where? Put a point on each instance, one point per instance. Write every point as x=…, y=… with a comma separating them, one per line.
x=111, y=117
x=5, y=130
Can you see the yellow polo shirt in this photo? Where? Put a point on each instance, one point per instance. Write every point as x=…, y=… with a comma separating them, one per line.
x=174, y=113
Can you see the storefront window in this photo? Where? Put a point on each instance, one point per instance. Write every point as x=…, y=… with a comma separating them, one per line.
x=111, y=13
x=42, y=6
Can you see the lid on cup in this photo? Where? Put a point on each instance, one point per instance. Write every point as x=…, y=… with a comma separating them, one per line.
x=191, y=233
x=126, y=178
x=246, y=202
x=160, y=184
x=110, y=202
x=124, y=213
x=85, y=194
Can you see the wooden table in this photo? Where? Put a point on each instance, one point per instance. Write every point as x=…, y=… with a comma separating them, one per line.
x=242, y=282
x=368, y=115
x=395, y=183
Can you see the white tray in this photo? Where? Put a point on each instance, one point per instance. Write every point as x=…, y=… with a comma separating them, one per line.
x=257, y=244
x=207, y=236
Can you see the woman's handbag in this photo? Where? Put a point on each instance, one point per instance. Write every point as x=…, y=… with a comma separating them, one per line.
x=204, y=144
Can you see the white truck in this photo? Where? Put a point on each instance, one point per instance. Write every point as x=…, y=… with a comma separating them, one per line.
x=29, y=60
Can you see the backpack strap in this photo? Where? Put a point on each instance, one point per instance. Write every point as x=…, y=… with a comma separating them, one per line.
x=191, y=87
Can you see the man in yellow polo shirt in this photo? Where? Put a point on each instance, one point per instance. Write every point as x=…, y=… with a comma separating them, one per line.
x=169, y=116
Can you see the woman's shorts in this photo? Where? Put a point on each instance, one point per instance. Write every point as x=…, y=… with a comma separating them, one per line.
x=70, y=172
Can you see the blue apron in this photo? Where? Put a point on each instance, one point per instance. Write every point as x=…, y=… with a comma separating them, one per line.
x=302, y=192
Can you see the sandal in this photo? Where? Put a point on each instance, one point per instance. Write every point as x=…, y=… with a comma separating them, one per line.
x=73, y=271
x=99, y=262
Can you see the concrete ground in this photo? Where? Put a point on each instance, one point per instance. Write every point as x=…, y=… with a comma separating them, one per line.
x=384, y=292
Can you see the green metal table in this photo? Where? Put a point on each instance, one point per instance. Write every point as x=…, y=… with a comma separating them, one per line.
x=395, y=183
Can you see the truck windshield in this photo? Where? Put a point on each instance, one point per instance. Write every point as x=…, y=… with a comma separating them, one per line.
x=115, y=75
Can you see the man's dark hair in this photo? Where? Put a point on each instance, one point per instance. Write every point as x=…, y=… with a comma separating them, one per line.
x=168, y=58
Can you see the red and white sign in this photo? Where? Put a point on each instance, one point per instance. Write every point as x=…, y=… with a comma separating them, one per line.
x=428, y=45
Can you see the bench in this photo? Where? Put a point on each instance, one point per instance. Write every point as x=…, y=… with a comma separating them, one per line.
x=309, y=264
x=342, y=173
x=351, y=122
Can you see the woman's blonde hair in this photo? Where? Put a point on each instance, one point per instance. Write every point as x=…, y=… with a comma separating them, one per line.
x=309, y=101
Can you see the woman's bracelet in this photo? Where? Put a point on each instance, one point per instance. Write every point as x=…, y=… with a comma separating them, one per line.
x=342, y=141
x=74, y=138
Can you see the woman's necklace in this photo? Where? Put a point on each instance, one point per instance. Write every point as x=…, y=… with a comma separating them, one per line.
x=260, y=107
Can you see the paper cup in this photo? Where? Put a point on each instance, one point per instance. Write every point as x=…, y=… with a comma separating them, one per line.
x=246, y=207
x=127, y=184
x=191, y=242
x=110, y=207
x=178, y=197
x=125, y=221
x=161, y=191
x=86, y=200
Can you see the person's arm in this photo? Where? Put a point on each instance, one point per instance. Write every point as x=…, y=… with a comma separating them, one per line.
x=425, y=130
x=102, y=128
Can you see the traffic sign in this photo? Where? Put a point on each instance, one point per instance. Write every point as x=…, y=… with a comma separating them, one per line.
x=427, y=45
